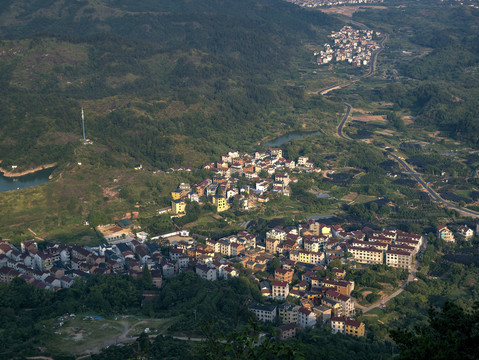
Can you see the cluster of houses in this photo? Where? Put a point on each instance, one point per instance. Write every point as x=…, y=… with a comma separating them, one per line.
x=321, y=3
x=322, y=301
x=303, y=251
x=394, y=248
x=318, y=244
x=307, y=249
x=463, y=232
x=355, y=46
x=57, y=265
x=221, y=189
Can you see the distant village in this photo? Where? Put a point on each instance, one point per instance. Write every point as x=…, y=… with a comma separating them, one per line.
x=321, y=3
x=351, y=45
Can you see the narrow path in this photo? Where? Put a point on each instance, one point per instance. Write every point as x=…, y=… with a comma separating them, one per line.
x=411, y=276
x=35, y=235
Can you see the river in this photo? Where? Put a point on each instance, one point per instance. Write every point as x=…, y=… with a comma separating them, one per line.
x=37, y=178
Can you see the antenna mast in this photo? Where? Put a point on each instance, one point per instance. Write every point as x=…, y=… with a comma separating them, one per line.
x=83, y=123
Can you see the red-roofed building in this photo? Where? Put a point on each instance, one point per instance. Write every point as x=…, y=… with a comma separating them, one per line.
x=206, y=272
x=465, y=233
x=283, y=275
x=364, y=255
x=445, y=234
x=343, y=287
x=404, y=247
x=347, y=326
x=347, y=305
x=353, y=327
x=287, y=331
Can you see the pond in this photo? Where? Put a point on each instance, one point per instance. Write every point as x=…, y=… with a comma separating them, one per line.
x=291, y=136
x=36, y=178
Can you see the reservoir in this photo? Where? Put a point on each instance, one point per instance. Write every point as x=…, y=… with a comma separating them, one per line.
x=291, y=136
x=36, y=178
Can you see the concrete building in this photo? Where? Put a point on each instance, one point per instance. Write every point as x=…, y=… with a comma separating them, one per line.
x=280, y=290
x=264, y=312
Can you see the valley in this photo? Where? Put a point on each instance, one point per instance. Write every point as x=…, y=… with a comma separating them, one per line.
x=211, y=124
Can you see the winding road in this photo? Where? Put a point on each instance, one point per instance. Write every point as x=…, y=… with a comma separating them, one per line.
x=343, y=121
x=410, y=171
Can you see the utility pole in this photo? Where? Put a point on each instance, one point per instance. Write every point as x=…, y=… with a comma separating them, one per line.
x=83, y=123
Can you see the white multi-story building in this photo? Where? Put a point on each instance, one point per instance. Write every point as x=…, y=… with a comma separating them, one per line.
x=280, y=290
x=264, y=313
x=206, y=272
x=306, y=318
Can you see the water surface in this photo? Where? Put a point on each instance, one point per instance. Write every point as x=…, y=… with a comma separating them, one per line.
x=291, y=136
x=36, y=178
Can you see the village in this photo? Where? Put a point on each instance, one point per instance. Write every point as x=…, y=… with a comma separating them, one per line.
x=266, y=173
x=289, y=263
x=322, y=3
x=355, y=46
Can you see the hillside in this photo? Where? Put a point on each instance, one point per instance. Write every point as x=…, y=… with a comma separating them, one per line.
x=162, y=82
x=438, y=84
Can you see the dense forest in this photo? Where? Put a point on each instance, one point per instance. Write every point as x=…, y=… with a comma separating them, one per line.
x=164, y=83
x=221, y=314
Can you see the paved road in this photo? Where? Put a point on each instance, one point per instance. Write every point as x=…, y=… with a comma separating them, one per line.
x=433, y=194
x=372, y=69
x=343, y=121
x=410, y=171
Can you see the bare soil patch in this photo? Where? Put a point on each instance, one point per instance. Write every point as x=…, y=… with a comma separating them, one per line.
x=111, y=193
x=385, y=132
x=350, y=10
x=407, y=120
x=369, y=118
x=350, y=197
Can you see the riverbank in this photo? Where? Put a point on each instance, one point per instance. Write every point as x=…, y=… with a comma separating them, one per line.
x=11, y=174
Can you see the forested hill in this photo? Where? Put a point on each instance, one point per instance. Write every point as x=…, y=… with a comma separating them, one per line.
x=157, y=79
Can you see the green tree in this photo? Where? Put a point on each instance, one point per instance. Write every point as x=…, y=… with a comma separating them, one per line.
x=98, y=217
x=275, y=263
x=146, y=278
x=451, y=334
x=335, y=263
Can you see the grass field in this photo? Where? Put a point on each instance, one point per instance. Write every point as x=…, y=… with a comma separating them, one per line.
x=83, y=335
x=379, y=315
x=57, y=210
